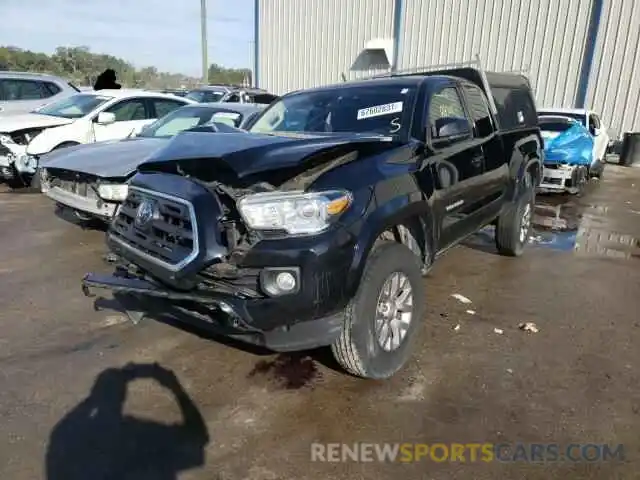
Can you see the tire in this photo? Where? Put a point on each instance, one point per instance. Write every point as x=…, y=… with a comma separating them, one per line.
x=358, y=349
x=35, y=181
x=510, y=236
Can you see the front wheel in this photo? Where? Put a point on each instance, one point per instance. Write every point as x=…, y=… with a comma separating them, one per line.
x=381, y=320
x=514, y=223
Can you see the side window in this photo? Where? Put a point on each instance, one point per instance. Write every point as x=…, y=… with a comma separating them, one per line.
x=235, y=98
x=22, y=90
x=129, y=110
x=50, y=89
x=164, y=106
x=479, y=109
x=593, y=124
x=448, y=123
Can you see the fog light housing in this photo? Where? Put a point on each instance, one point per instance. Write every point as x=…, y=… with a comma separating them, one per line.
x=280, y=281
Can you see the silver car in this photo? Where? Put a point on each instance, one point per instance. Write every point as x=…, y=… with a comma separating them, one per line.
x=24, y=92
x=90, y=180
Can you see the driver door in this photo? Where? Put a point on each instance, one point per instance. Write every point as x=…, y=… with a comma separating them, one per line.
x=131, y=115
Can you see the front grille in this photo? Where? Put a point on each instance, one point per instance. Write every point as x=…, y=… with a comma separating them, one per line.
x=73, y=182
x=552, y=181
x=165, y=236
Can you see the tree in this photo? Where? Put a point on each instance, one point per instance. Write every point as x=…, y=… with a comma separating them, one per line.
x=82, y=66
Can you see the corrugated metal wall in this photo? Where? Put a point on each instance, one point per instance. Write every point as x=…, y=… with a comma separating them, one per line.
x=529, y=35
x=614, y=83
x=305, y=43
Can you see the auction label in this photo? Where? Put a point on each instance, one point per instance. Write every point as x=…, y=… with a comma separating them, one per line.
x=379, y=110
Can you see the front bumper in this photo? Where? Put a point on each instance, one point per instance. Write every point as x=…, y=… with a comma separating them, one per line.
x=557, y=178
x=89, y=205
x=221, y=313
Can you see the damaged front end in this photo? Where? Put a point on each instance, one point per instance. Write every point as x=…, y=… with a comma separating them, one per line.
x=16, y=166
x=251, y=257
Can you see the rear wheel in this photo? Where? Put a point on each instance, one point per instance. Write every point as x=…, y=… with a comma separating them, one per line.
x=514, y=224
x=381, y=320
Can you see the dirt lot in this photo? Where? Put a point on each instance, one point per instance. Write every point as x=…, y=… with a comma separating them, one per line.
x=80, y=396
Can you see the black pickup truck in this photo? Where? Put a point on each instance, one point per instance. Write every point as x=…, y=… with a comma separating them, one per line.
x=316, y=227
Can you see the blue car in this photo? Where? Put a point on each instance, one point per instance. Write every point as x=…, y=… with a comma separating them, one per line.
x=568, y=150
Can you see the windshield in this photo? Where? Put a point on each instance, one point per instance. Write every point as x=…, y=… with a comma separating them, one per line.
x=383, y=109
x=189, y=117
x=76, y=106
x=580, y=117
x=205, y=96
x=555, y=125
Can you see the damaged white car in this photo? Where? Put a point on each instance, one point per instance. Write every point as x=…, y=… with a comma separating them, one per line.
x=82, y=118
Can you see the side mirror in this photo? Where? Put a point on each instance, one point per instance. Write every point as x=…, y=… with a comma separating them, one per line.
x=105, y=118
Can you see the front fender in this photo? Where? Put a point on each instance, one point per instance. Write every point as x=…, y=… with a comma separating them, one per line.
x=398, y=201
x=52, y=137
x=527, y=153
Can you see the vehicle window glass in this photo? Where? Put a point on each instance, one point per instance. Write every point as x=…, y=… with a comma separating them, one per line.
x=128, y=110
x=447, y=119
x=515, y=106
x=594, y=122
x=164, y=106
x=76, y=106
x=205, y=96
x=385, y=109
x=479, y=109
x=51, y=89
x=179, y=120
x=582, y=118
x=15, y=89
x=233, y=98
x=229, y=118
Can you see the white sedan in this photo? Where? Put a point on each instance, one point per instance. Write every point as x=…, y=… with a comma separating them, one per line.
x=82, y=118
x=590, y=120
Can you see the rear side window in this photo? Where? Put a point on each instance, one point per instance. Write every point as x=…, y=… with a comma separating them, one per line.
x=14, y=89
x=515, y=106
x=51, y=89
x=479, y=109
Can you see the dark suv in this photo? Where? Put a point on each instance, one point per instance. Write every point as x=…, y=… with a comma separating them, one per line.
x=315, y=228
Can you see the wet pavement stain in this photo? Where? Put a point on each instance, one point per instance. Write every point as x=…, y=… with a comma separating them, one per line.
x=288, y=371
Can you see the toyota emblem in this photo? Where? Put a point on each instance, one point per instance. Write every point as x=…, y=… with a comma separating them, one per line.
x=145, y=213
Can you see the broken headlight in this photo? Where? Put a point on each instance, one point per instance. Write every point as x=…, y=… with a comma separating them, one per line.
x=6, y=139
x=295, y=212
x=113, y=192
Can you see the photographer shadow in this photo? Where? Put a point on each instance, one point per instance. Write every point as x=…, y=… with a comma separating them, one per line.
x=97, y=441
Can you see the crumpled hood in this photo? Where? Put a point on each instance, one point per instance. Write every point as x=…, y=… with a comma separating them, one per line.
x=115, y=158
x=14, y=123
x=574, y=146
x=251, y=153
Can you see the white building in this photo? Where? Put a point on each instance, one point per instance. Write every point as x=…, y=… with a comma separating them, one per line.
x=576, y=52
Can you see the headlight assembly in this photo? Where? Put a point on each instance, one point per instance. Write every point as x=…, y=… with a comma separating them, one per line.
x=113, y=192
x=295, y=212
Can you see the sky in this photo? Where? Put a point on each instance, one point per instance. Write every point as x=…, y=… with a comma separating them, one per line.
x=160, y=33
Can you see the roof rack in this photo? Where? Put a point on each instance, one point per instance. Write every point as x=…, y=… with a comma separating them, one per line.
x=422, y=70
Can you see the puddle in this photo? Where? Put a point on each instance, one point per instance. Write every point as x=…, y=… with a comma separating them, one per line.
x=556, y=221
x=289, y=371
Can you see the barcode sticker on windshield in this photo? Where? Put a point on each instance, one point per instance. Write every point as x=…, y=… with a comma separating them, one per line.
x=379, y=110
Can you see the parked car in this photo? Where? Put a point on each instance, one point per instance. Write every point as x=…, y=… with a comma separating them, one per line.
x=602, y=141
x=223, y=93
x=569, y=159
x=318, y=235
x=22, y=92
x=80, y=118
x=90, y=179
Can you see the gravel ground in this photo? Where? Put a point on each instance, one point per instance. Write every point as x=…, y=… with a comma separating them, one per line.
x=81, y=394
